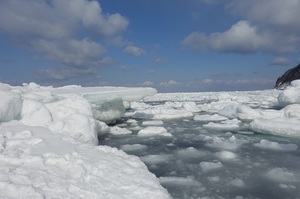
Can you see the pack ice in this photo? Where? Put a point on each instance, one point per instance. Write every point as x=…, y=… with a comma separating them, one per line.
x=48, y=144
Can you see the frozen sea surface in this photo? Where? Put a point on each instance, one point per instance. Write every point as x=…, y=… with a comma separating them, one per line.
x=211, y=145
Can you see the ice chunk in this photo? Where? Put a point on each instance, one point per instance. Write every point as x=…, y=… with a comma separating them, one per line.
x=231, y=143
x=107, y=102
x=74, y=117
x=290, y=95
x=226, y=125
x=265, y=144
x=108, y=111
x=152, y=123
x=281, y=175
x=10, y=106
x=156, y=159
x=295, y=83
x=179, y=181
x=238, y=182
x=35, y=113
x=161, y=113
x=133, y=147
x=191, y=106
x=154, y=130
x=190, y=153
x=226, y=155
x=213, y=179
x=119, y=131
x=279, y=126
x=209, y=118
x=209, y=166
x=292, y=111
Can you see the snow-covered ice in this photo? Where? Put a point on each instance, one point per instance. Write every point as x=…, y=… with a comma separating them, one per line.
x=49, y=145
x=68, y=142
x=222, y=145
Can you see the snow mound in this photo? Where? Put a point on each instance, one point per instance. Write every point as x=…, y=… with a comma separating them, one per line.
x=48, y=139
x=46, y=166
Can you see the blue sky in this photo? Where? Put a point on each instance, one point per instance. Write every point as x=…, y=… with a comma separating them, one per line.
x=173, y=46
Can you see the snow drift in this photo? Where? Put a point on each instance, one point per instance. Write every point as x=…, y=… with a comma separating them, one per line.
x=48, y=144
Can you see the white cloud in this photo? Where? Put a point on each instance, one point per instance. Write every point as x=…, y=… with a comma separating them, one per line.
x=276, y=13
x=209, y=81
x=280, y=61
x=134, y=50
x=151, y=72
x=169, y=83
x=240, y=38
x=123, y=68
x=268, y=26
x=159, y=60
x=147, y=83
x=58, y=30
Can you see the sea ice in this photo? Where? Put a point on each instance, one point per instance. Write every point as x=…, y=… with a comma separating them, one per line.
x=287, y=127
x=47, y=146
x=209, y=118
x=265, y=144
x=152, y=123
x=225, y=125
x=209, y=166
x=156, y=159
x=133, y=147
x=179, y=181
x=119, y=131
x=10, y=105
x=154, y=130
x=282, y=175
x=226, y=155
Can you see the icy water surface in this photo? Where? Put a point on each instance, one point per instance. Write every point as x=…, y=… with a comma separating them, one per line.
x=198, y=163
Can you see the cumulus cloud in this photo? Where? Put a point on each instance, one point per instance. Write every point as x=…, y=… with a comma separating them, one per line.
x=134, y=50
x=169, y=83
x=280, y=61
x=123, y=68
x=147, y=83
x=240, y=38
x=209, y=81
x=59, y=29
x=268, y=26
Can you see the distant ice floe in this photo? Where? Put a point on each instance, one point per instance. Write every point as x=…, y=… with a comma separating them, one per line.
x=269, y=112
x=167, y=111
x=265, y=144
x=154, y=130
x=287, y=127
x=156, y=159
x=119, y=131
x=210, y=166
x=133, y=147
x=226, y=155
x=152, y=123
x=209, y=118
x=282, y=175
x=179, y=181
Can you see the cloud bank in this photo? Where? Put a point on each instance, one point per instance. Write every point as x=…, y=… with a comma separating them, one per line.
x=62, y=31
x=270, y=26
